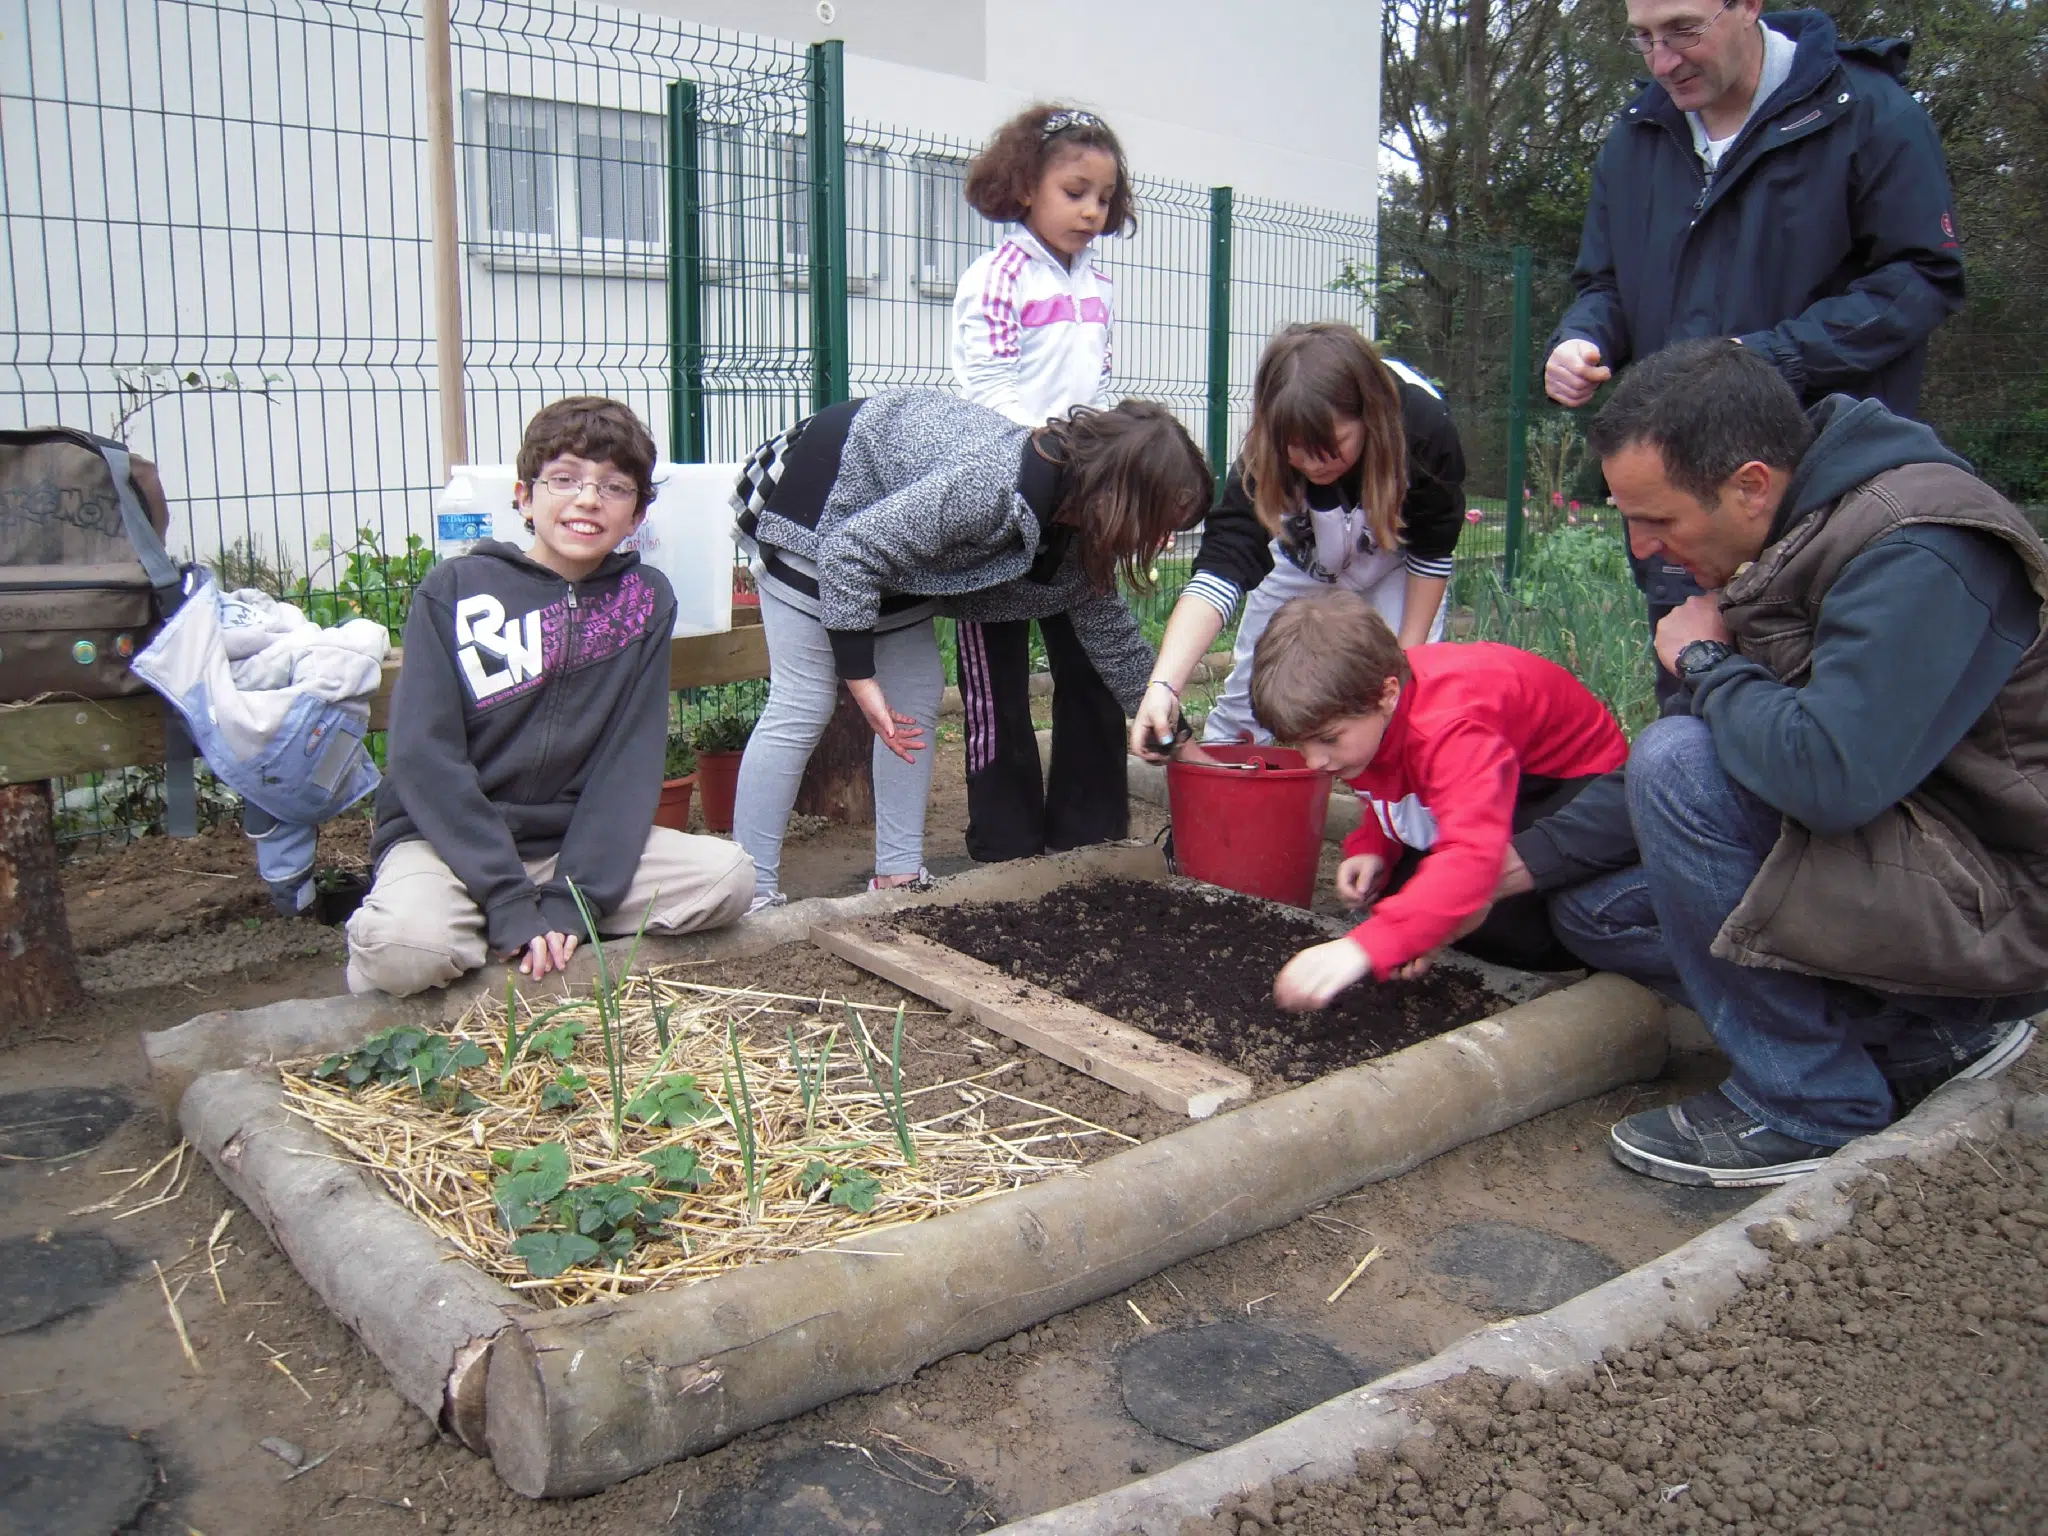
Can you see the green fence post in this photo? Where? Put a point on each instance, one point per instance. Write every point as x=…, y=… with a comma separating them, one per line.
x=1219, y=332
x=1518, y=409
x=685, y=280
x=827, y=134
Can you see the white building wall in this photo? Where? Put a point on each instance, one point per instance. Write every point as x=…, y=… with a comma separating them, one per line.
x=217, y=185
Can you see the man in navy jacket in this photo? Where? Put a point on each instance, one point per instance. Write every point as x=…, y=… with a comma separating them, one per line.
x=1774, y=186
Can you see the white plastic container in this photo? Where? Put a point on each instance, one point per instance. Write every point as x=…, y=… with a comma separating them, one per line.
x=688, y=537
x=688, y=534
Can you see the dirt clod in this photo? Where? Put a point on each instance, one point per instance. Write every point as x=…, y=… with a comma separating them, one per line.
x=1196, y=967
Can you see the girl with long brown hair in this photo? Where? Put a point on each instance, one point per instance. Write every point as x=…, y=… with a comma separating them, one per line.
x=1352, y=475
x=873, y=515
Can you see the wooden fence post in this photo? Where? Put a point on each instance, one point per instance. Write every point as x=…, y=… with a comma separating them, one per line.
x=838, y=783
x=38, y=969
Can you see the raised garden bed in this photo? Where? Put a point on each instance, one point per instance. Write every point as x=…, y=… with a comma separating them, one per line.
x=567, y=1398
x=668, y=1130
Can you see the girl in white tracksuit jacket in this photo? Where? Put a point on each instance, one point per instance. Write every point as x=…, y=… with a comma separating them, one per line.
x=1032, y=322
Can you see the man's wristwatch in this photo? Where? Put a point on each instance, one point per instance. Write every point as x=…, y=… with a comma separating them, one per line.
x=1700, y=656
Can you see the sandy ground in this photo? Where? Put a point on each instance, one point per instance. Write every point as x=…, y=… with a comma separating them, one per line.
x=169, y=930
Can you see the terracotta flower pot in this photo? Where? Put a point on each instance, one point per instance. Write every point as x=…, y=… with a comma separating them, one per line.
x=673, y=809
x=718, y=777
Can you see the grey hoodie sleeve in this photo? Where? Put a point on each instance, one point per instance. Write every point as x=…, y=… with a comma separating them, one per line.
x=1109, y=632
x=427, y=764
x=621, y=784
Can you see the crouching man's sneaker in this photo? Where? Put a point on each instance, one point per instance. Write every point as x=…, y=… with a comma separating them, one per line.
x=1707, y=1140
x=1998, y=1047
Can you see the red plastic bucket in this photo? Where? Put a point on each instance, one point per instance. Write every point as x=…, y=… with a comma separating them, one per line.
x=1258, y=830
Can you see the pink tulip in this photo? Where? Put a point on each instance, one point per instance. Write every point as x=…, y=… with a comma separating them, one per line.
x=1571, y=517
x=1473, y=514
x=1575, y=506
x=1557, y=498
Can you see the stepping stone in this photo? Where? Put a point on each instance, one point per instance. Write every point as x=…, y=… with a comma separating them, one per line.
x=832, y=1492
x=1503, y=1267
x=42, y=1281
x=1214, y=1386
x=73, y=1479
x=47, y=1123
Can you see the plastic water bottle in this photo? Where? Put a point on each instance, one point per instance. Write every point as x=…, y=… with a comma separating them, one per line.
x=460, y=518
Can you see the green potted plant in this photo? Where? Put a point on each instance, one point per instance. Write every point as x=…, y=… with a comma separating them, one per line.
x=678, y=778
x=719, y=742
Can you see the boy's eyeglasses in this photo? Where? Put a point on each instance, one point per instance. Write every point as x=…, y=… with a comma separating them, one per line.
x=617, y=492
x=1679, y=39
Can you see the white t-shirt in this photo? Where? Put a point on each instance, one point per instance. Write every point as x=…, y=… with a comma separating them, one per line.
x=1778, y=52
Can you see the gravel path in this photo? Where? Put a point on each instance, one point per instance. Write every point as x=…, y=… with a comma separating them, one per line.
x=1889, y=1379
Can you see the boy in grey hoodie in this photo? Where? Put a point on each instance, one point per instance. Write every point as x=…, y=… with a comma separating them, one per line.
x=527, y=733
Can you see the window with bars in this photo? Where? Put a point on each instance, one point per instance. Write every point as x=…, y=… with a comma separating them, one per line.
x=950, y=235
x=553, y=176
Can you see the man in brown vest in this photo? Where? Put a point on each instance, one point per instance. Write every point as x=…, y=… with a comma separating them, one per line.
x=1841, y=851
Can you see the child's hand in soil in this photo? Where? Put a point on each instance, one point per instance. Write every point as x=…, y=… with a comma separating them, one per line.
x=1313, y=978
x=1358, y=879
x=547, y=952
x=899, y=733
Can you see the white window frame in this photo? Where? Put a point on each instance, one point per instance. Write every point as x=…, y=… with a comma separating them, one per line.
x=557, y=184
x=867, y=215
x=949, y=234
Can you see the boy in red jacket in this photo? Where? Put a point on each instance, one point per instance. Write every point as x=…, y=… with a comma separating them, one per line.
x=1453, y=749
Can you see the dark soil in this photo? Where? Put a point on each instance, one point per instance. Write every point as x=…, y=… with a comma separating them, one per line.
x=1195, y=968
x=1889, y=1379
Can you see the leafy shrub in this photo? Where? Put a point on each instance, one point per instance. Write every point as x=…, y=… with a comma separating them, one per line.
x=371, y=583
x=723, y=733
x=680, y=759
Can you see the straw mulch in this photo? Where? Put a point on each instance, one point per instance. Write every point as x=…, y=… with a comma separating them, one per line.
x=972, y=1139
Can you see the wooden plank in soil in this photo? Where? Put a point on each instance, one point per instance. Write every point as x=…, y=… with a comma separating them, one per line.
x=1106, y=1049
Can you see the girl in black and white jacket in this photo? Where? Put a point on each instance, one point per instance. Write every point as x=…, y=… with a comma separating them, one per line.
x=1352, y=475
x=873, y=515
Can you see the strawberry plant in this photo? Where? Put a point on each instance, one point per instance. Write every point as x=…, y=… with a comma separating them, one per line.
x=561, y=1093
x=673, y=1101
x=853, y=1189
x=406, y=1053
x=557, y=1227
x=677, y=1168
x=533, y=1177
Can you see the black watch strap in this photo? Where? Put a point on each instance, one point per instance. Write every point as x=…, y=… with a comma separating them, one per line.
x=1700, y=655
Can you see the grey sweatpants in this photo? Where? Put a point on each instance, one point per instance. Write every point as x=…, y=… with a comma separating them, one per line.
x=802, y=689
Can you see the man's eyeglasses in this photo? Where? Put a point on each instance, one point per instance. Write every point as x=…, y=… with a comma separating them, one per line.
x=617, y=492
x=1679, y=39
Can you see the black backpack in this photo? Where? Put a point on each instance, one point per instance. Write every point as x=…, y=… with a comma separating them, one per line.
x=85, y=580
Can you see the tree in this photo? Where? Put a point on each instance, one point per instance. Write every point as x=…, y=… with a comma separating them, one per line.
x=1493, y=112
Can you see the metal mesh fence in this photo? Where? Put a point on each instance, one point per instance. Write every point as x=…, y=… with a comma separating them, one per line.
x=218, y=238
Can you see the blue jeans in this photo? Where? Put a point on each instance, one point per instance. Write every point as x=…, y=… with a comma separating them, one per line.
x=1810, y=1056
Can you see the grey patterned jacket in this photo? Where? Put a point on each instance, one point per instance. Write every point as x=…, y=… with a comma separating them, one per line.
x=926, y=502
